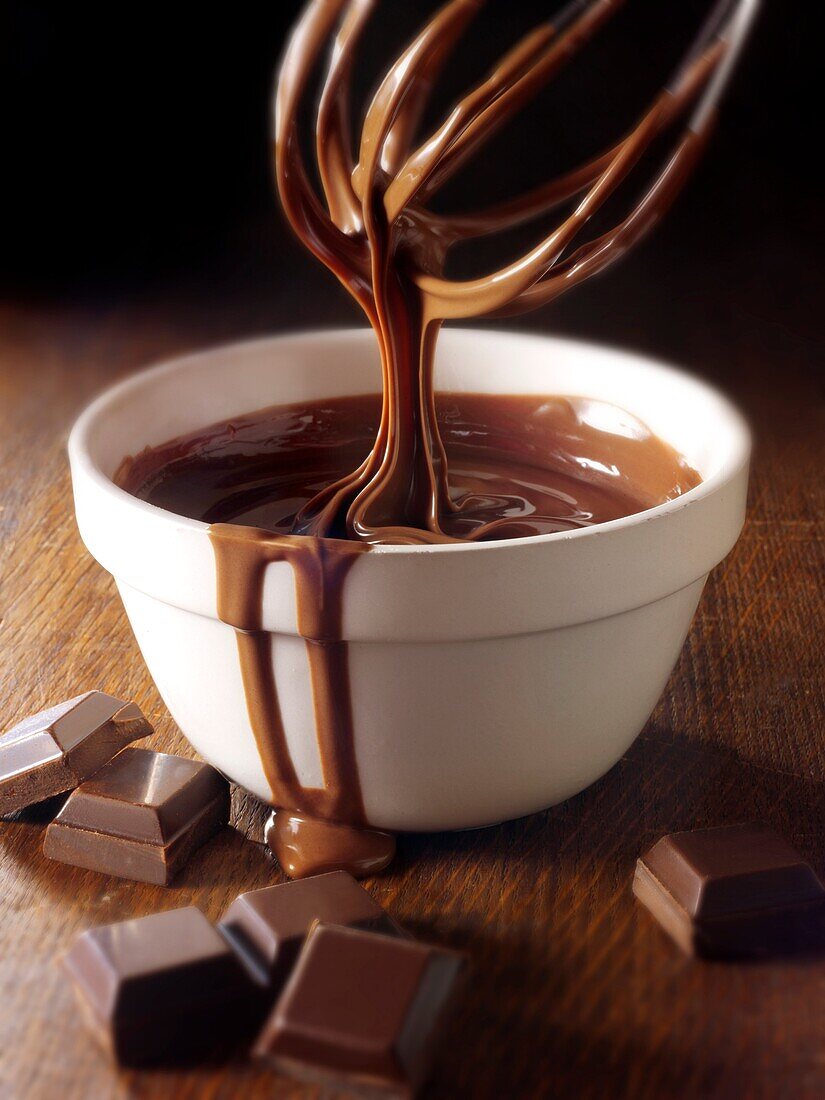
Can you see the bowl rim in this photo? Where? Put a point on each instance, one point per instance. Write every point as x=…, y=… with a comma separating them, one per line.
x=82, y=462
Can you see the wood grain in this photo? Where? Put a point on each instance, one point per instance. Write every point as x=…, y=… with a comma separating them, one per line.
x=573, y=991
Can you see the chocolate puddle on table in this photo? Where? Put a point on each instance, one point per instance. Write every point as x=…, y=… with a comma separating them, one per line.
x=411, y=468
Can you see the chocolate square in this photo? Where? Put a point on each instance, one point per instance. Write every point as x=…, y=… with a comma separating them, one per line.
x=140, y=817
x=361, y=1010
x=732, y=890
x=269, y=926
x=162, y=987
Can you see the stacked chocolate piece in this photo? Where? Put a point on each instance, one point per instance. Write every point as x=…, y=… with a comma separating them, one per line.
x=132, y=812
x=334, y=990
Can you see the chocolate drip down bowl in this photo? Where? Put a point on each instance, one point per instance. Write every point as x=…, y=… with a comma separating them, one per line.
x=486, y=679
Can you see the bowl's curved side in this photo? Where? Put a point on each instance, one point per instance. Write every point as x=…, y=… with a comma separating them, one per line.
x=448, y=735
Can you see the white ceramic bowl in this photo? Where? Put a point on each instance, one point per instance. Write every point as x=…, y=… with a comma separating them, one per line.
x=488, y=681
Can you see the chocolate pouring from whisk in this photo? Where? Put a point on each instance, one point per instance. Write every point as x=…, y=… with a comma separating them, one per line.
x=390, y=182
x=372, y=226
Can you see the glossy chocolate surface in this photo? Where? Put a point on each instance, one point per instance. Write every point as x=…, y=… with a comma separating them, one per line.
x=361, y=1010
x=519, y=464
x=733, y=890
x=306, y=845
x=269, y=926
x=162, y=987
x=373, y=226
x=140, y=817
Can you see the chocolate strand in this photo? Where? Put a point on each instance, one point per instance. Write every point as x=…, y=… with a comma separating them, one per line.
x=591, y=258
x=596, y=255
x=345, y=256
x=709, y=70
x=570, y=35
x=422, y=163
x=333, y=140
x=437, y=38
x=734, y=35
x=476, y=297
x=546, y=197
x=509, y=290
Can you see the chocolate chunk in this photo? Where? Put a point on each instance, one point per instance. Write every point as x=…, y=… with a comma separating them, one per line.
x=163, y=987
x=141, y=817
x=55, y=750
x=268, y=927
x=735, y=890
x=360, y=1009
x=305, y=845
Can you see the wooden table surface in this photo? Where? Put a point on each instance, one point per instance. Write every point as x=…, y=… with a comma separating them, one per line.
x=573, y=991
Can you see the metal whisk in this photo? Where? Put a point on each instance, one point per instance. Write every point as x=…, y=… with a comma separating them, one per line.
x=378, y=204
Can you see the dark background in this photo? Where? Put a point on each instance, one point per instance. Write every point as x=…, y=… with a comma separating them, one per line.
x=137, y=160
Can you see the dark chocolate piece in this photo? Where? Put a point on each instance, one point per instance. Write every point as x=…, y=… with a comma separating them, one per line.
x=162, y=987
x=737, y=890
x=306, y=845
x=360, y=1010
x=268, y=927
x=55, y=750
x=141, y=817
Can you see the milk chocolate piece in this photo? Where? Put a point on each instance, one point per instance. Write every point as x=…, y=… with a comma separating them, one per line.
x=141, y=817
x=57, y=749
x=360, y=1010
x=737, y=890
x=268, y=927
x=162, y=987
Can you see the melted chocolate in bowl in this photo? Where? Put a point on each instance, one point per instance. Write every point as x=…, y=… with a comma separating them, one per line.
x=518, y=465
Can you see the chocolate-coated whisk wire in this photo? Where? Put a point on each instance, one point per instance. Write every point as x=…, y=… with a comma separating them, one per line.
x=725, y=34
x=734, y=34
x=385, y=189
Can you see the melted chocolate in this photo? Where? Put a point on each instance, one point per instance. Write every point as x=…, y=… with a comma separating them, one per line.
x=517, y=465
x=316, y=487
x=320, y=566
x=307, y=846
